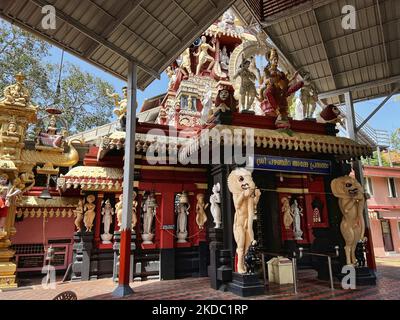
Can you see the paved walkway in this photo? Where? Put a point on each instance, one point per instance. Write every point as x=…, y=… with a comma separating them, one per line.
x=198, y=288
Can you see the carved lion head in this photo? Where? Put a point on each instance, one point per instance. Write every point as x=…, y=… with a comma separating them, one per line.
x=239, y=180
x=347, y=187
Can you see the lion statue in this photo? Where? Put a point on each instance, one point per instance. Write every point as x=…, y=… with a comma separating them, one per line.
x=351, y=202
x=245, y=198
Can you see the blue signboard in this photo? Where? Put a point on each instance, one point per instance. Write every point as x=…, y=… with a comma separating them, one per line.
x=297, y=165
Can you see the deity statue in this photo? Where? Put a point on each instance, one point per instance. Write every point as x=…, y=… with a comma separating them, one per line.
x=351, y=200
x=107, y=212
x=11, y=133
x=89, y=212
x=182, y=212
x=206, y=102
x=287, y=216
x=27, y=180
x=51, y=137
x=251, y=259
x=248, y=90
x=149, y=212
x=172, y=77
x=224, y=58
x=317, y=206
x=309, y=97
x=215, y=200
x=118, y=209
x=276, y=89
x=297, y=212
x=16, y=94
x=186, y=64
x=79, y=215
x=14, y=191
x=225, y=102
x=201, y=206
x=227, y=21
x=4, y=185
x=245, y=198
x=204, y=56
x=121, y=106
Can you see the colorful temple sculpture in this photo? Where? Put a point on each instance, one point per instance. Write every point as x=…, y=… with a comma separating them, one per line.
x=220, y=165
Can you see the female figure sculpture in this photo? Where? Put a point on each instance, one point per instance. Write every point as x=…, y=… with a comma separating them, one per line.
x=79, y=216
x=248, y=90
x=118, y=210
x=201, y=206
x=89, y=212
x=215, y=200
x=186, y=64
x=297, y=213
x=134, y=209
x=149, y=211
x=183, y=212
x=224, y=59
x=107, y=212
x=204, y=56
x=287, y=217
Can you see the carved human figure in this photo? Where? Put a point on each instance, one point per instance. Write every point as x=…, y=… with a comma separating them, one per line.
x=16, y=94
x=107, y=212
x=118, y=209
x=225, y=102
x=183, y=212
x=287, y=217
x=186, y=64
x=4, y=185
x=89, y=212
x=204, y=56
x=121, y=106
x=247, y=89
x=224, y=58
x=12, y=128
x=245, y=196
x=51, y=136
x=172, y=77
x=201, y=206
x=309, y=97
x=351, y=201
x=215, y=200
x=296, y=212
x=149, y=212
x=79, y=215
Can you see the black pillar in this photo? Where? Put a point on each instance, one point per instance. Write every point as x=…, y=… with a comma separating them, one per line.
x=83, y=244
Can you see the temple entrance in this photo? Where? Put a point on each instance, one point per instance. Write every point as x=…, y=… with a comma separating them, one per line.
x=387, y=235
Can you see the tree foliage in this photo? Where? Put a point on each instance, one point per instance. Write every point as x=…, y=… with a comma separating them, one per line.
x=395, y=139
x=82, y=98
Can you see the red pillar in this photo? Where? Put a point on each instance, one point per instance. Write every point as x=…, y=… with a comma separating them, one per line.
x=167, y=211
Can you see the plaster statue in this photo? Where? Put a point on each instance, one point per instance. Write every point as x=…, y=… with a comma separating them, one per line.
x=118, y=209
x=14, y=192
x=247, y=89
x=245, y=198
x=16, y=94
x=330, y=114
x=204, y=56
x=107, y=212
x=201, y=206
x=89, y=212
x=207, y=105
x=186, y=64
x=225, y=102
x=3, y=207
x=79, y=215
x=149, y=212
x=351, y=201
x=134, y=211
x=121, y=106
x=215, y=200
x=172, y=77
x=182, y=211
x=227, y=21
x=287, y=216
x=224, y=59
x=308, y=97
x=296, y=212
x=12, y=131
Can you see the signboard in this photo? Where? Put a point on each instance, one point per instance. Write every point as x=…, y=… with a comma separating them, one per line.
x=295, y=165
x=168, y=227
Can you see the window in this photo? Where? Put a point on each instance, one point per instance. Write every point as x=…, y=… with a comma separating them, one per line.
x=368, y=186
x=392, y=188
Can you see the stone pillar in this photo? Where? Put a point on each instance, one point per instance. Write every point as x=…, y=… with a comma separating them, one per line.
x=216, y=245
x=83, y=245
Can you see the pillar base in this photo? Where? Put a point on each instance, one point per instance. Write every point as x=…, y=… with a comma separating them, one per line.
x=245, y=285
x=122, y=290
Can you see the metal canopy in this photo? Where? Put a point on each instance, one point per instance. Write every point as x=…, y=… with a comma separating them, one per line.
x=365, y=61
x=108, y=33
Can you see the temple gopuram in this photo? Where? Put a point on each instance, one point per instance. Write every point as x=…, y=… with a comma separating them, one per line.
x=219, y=163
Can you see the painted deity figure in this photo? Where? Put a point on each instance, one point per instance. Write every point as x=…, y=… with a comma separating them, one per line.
x=201, y=206
x=121, y=106
x=245, y=198
x=287, y=217
x=215, y=200
x=172, y=76
x=182, y=211
x=308, y=97
x=204, y=55
x=16, y=94
x=186, y=64
x=149, y=212
x=51, y=137
x=247, y=90
x=225, y=102
x=224, y=58
x=297, y=213
x=118, y=209
x=79, y=215
x=89, y=212
x=107, y=212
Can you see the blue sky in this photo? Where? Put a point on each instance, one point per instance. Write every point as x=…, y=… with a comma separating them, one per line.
x=386, y=119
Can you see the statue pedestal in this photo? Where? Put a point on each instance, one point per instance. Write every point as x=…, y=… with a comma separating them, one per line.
x=365, y=277
x=106, y=238
x=246, y=285
x=7, y=268
x=147, y=238
x=182, y=237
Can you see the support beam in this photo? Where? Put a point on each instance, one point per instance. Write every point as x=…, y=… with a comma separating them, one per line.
x=94, y=36
x=186, y=13
x=382, y=31
x=378, y=107
x=123, y=288
x=358, y=87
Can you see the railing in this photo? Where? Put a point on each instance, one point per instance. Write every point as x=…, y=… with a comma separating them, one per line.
x=302, y=253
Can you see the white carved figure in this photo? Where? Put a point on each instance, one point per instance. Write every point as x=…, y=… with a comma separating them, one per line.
x=134, y=211
x=107, y=212
x=172, y=77
x=215, y=200
x=297, y=213
x=149, y=211
x=207, y=104
x=224, y=58
x=182, y=211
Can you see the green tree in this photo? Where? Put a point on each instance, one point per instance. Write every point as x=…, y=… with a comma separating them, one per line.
x=395, y=139
x=82, y=97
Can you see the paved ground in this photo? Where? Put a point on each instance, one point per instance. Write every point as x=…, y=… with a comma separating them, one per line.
x=198, y=288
